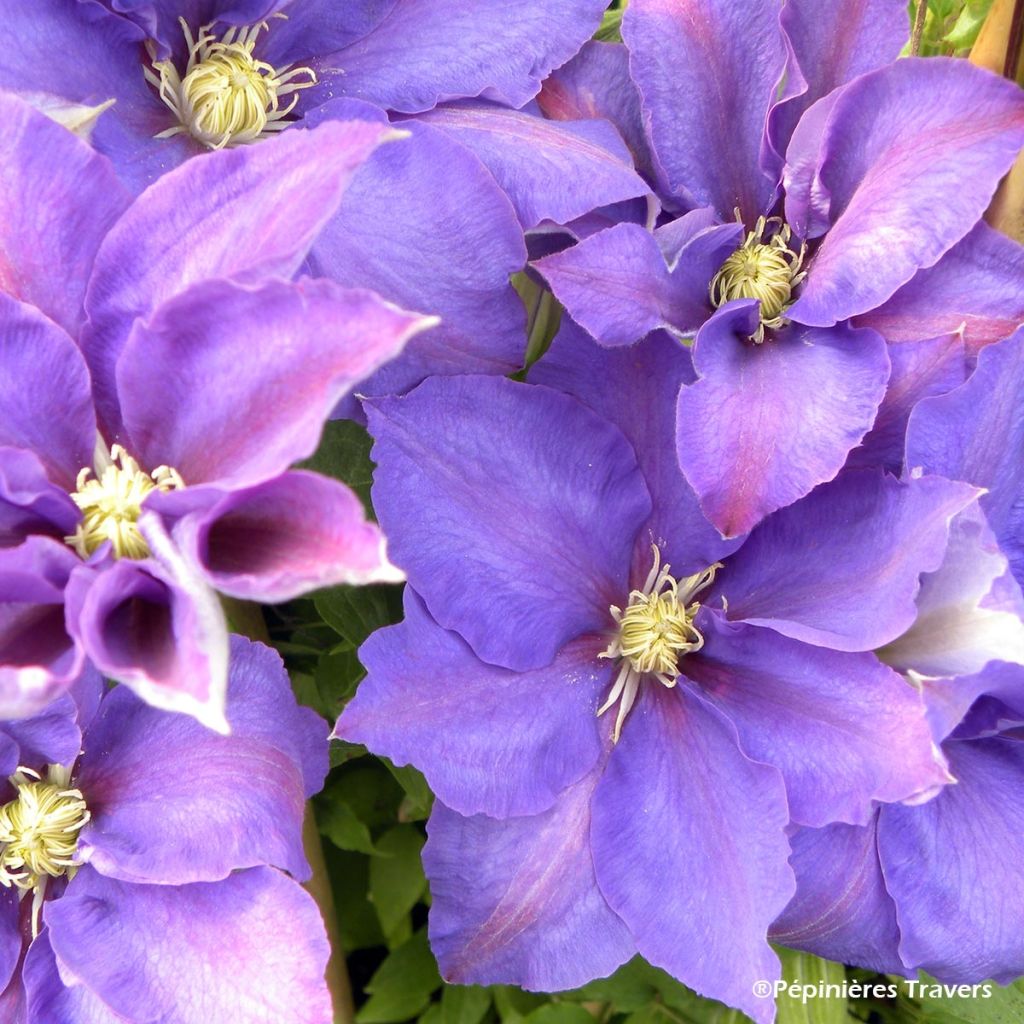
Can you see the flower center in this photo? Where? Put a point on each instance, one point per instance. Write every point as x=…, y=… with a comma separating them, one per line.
x=653, y=632
x=39, y=832
x=111, y=503
x=227, y=97
x=764, y=270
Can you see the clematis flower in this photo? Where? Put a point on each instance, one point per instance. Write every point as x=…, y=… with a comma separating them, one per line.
x=846, y=181
x=163, y=843
x=936, y=886
x=619, y=711
x=159, y=372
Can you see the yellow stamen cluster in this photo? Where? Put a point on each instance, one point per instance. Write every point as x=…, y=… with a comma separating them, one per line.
x=112, y=502
x=654, y=631
x=764, y=270
x=226, y=97
x=39, y=833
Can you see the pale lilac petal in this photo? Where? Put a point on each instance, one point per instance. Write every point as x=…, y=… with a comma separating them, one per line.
x=515, y=541
x=29, y=502
x=283, y=538
x=266, y=403
x=45, y=260
x=217, y=217
x=442, y=244
x=550, y=170
x=767, y=423
x=841, y=568
x=961, y=626
x=920, y=369
x=951, y=866
x=262, y=930
x=173, y=802
x=678, y=791
x=516, y=901
x=423, y=54
x=910, y=157
x=707, y=72
x=842, y=910
x=954, y=706
x=596, y=83
x=976, y=433
x=157, y=628
x=636, y=389
x=488, y=740
x=45, y=404
x=838, y=747
x=974, y=290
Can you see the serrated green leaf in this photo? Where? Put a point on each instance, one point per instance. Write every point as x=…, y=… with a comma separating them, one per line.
x=396, y=875
x=344, y=454
x=464, y=1004
x=402, y=985
x=806, y=970
x=560, y=1013
x=355, y=612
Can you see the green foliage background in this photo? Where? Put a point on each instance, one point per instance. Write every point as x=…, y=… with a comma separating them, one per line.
x=371, y=814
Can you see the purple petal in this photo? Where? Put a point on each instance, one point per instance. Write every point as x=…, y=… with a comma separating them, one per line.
x=707, y=72
x=974, y=290
x=174, y=802
x=488, y=740
x=550, y=170
x=157, y=628
x=10, y=936
x=45, y=404
x=48, y=998
x=920, y=369
x=830, y=44
x=596, y=83
x=838, y=748
x=38, y=660
x=840, y=569
x=216, y=217
x=842, y=909
x=264, y=405
x=951, y=866
x=617, y=285
x=689, y=848
x=422, y=54
x=50, y=737
x=29, y=502
x=45, y=260
x=961, y=625
x=976, y=433
x=954, y=705
x=517, y=543
x=767, y=423
x=636, y=389
x=910, y=157
x=516, y=901
x=284, y=538
x=444, y=244
x=263, y=932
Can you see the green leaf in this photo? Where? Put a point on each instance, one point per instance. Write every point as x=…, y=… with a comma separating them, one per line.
x=968, y=24
x=357, y=921
x=336, y=678
x=986, y=1003
x=396, y=875
x=344, y=454
x=630, y=988
x=418, y=797
x=355, y=612
x=339, y=822
x=402, y=985
x=513, y=1004
x=807, y=970
x=464, y=1004
x=543, y=317
x=560, y=1013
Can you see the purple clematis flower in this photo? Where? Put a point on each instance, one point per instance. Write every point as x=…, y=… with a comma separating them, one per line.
x=853, y=176
x=161, y=373
x=162, y=843
x=619, y=711
x=936, y=886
